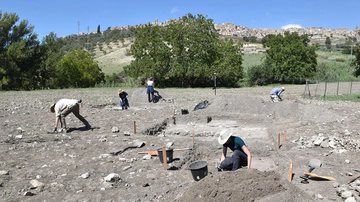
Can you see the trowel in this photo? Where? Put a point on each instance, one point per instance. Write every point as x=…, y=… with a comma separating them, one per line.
x=313, y=163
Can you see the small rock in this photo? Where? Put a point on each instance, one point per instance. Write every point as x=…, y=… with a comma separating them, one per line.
x=169, y=144
x=146, y=185
x=319, y=196
x=349, y=174
x=28, y=193
x=85, y=175
x=350, y=199
x=35, y=184
x=146, y=157
x=336, y=184
x=113, y=177
x=347, y=161
x=346, y=194
x=79, y=191
x=324, y=144
x=115, y=129
x=38, y=176
x=126, y=168
x=122, y=159
x=126, y=133
x=18, y=137
x=4, y=172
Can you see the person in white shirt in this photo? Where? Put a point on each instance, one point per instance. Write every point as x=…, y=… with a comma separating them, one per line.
x=64, y=107
x=150, y=89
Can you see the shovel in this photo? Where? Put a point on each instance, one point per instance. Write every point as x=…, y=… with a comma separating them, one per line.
x=155, y=153
x=136, y=144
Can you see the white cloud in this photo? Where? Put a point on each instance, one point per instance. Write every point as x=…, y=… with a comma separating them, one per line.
x=291, y=26
x=174, y=10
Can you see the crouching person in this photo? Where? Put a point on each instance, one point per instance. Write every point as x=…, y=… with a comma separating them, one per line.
x=241, y=156
x=64, y=107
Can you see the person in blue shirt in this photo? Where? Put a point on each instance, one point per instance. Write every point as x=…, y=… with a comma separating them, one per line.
x=241, y=155
x=275, y=94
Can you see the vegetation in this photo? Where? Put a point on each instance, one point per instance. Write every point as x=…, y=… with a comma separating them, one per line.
x=328, y=43
x=187, y=52
x=352, y=98
x=356, y=62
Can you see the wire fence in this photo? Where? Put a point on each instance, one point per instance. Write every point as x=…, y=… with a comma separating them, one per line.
x=324, y=88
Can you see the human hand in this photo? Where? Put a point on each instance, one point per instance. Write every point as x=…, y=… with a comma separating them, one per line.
x=222, y=158
x=55, y=129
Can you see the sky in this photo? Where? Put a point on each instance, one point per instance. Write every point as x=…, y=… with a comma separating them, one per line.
x=66, y=17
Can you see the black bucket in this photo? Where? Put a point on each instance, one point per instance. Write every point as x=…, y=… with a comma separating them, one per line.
x=199, y=169
x=169, y=155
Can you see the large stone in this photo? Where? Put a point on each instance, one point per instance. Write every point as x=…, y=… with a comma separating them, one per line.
x=115, y=129
x=319, y=139
x=346, y=194
x=324, y=144
x=113, y=177
x=4, y=172
x=350, y=199
x=35, y=184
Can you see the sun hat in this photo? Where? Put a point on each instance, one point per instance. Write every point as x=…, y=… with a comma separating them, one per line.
x=224, y=136
x=52, y=108
x=120, y=90
x=282, y=88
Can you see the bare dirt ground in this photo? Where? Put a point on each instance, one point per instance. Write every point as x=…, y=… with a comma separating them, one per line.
x=37, y=166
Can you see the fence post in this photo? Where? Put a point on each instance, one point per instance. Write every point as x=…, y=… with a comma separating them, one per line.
x=337, y=89
x=317, y=84
x=350, y=87
x=325, y=89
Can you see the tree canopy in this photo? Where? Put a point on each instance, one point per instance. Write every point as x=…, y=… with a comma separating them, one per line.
x=356, y=62
x=187, y=52
x=289, y=57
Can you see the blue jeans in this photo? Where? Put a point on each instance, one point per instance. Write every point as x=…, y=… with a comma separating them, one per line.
x=150, y=90
x=236, y=161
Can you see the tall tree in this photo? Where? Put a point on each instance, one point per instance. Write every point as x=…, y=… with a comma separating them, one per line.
x=356, y=61
x=98, y=29
x=186, y=52
x=19, y=53
x=290, y=57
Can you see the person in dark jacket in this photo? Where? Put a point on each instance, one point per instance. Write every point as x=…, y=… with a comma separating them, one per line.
x=123, y=102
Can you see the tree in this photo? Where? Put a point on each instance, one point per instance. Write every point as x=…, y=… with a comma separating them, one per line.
x=328, y=43
x=98, y=29
x=186, y=52
x=78, y=69
x=19, y=53
x=356, y=61
x=290, y=57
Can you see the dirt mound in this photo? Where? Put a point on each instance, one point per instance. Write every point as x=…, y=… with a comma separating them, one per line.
x=243, y=185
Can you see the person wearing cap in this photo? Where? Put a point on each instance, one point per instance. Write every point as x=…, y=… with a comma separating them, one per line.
x=241, y=155
x=275, y=94
x=123, y=102
x=150, y=89
x=64, y=107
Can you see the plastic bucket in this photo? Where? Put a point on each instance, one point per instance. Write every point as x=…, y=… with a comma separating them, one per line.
x=199, y=169
x=169, y=155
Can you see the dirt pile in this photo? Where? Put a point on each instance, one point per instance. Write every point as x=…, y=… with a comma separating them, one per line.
x=244, y=185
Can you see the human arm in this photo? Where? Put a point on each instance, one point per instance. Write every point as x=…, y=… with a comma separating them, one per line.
x=249, y=158
x=223, y=155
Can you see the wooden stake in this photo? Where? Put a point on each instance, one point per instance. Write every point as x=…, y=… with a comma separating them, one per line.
x=290, y=174
x=284, y=136
x=279, y=144
x=134, y=127
x=193, y=138
x=164, y=157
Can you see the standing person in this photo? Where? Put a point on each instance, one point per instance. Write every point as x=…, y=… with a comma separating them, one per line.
x=64, y=107
x=275, y=94
x=241, y=156
x=150, y=89
x=123, y=102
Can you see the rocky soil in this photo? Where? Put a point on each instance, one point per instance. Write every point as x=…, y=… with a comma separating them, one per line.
x=81, y=166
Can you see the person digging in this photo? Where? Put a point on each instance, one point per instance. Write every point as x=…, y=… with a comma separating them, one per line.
x=241, y=156
x=64, y=107
x=275, y=94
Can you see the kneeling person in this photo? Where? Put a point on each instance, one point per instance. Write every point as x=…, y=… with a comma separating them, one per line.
x=241, y=156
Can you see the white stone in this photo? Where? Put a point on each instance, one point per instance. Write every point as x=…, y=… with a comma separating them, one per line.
x=113, y=177
x=347, y=161
x=35, y=184
x=350, y=199
x=85, y=175
x=115, y=129
x=126, y=168
x=4, y=172
x=146, y=157
x=319, y=196
x=346, y=194
x=18, y=137
x=318, y=140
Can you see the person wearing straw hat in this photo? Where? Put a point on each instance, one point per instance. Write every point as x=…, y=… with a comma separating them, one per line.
x=123, y=102
x=241, y=155
x=275, y=94
x=64, y=107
